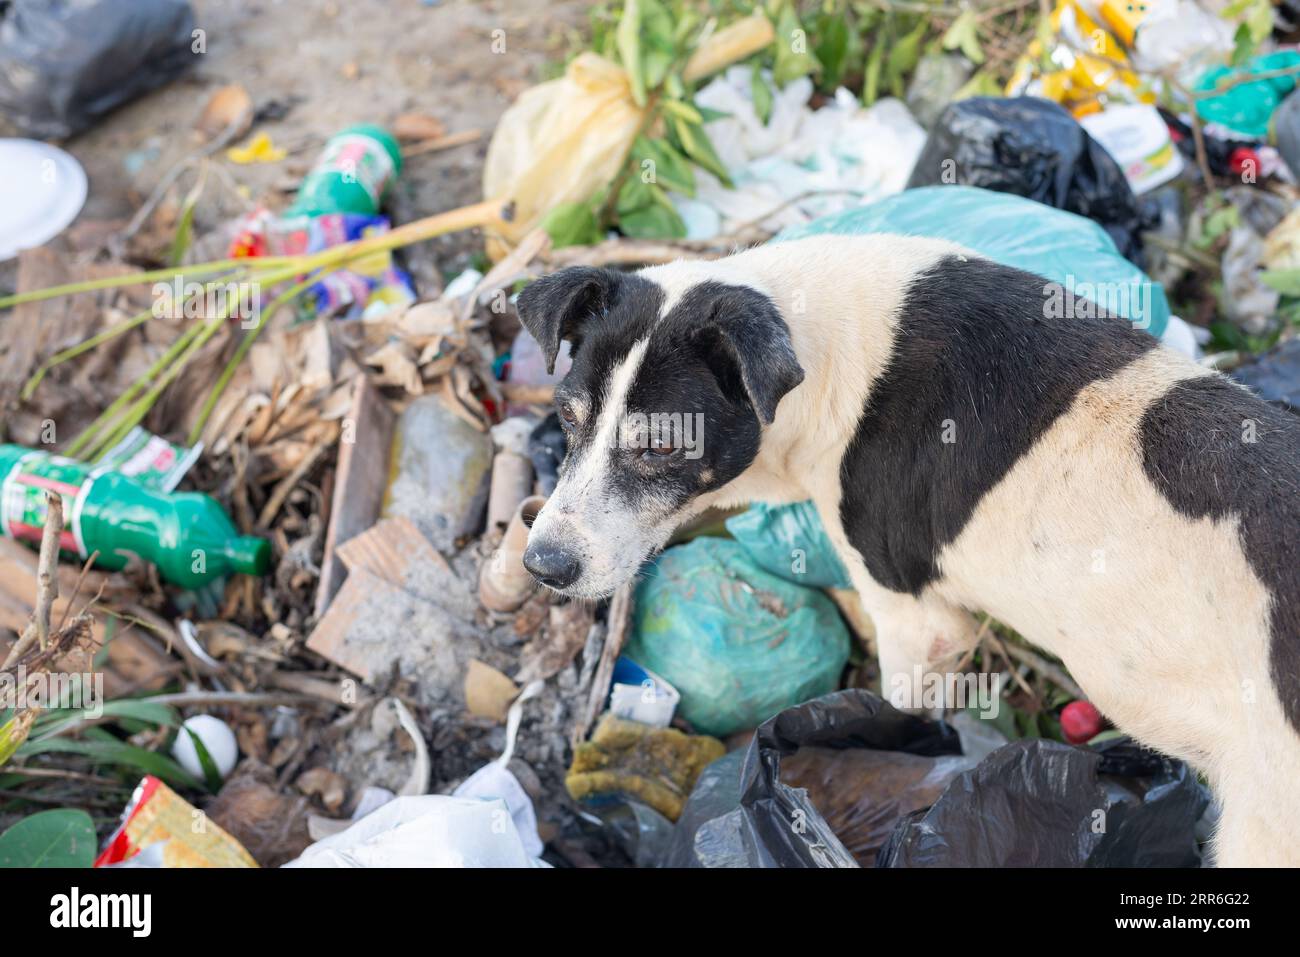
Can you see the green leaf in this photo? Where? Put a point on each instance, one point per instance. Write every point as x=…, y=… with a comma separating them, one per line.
x=1227, y=336
x=572, y=224
x=793, y=58
x=653, y=222
x=1285, y=281
x=628, y=40
x=904, y=55
x=983, y=83
x=832, y=48
x=114, y=752
x=59, y=838
x=667, y=167
x=871, y=81
x=697, y=145
x=708, y=115
x=13, y=733
x=51, y=724
x=659, y=48
x=761, y=94
x=634, y=194
x=1243, y=47
x=211, y=773
x=964, y=35
x=683, y=110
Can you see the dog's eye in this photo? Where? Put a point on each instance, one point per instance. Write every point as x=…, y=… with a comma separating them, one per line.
x=658, y=451
x=567, y=416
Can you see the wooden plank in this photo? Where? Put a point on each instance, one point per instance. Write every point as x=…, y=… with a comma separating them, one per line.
x=359, y=481
x=388, y=549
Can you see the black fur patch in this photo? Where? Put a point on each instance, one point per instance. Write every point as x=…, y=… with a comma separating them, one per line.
x=722, y=356
x=982, y=352
x=1196, y=450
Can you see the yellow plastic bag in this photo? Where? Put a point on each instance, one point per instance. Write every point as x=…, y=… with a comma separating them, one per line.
x=561, y=141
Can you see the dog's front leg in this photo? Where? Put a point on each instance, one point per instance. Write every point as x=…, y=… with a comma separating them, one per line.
x=916, y=638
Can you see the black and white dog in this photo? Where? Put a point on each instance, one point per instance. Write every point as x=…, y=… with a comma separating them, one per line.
x=967, y=446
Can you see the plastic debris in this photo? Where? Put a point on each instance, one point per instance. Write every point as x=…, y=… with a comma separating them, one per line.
x=657, y=766
x=117, y=517
x=740, y=811
x=42, y=192
x=1059, y=246
x=63, y=66
x=1036, y=149
x=1039, y=803
x=790, y=541
x=1275, y=375
x=1247, y=107
x=801, y=163
x=736, y=641
x=159, y=823
x=431, y=830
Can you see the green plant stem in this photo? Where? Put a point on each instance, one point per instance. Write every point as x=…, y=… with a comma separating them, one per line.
x=219, y=387
x=140, y=278
x=122, y=327
x=79, y=442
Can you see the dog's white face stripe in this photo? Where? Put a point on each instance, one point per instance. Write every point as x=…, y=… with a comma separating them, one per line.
x=586, y=515
x=583, y=477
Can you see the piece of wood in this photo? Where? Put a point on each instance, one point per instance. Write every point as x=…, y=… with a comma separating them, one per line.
x=360, y=481
x=329, y=639
x=620, y=622
x=388, y=548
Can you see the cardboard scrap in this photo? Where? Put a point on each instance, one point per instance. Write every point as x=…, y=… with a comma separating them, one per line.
x=488, y=693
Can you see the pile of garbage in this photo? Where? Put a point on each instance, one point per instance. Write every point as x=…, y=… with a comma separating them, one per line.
x=267, y=487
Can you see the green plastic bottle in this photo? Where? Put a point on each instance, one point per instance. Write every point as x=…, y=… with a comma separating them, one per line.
x=352, y=175
x=186, y=534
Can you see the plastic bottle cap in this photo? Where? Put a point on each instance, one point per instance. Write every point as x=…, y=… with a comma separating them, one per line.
x=249, y=554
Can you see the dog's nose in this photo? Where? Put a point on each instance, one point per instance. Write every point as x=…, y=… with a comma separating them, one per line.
x=553, y=567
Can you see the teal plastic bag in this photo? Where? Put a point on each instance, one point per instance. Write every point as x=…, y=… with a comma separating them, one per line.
x=1247, y=107
x=1014, y=231
x=738, y=643
x=790, y=541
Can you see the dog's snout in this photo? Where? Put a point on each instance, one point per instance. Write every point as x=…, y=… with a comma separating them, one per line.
x=552, y=566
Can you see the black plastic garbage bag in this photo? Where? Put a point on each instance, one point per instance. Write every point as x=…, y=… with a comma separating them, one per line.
x=1032, y=148
x=740, y=814
x=1038, y=803
x=1275, y=376
x=66, y=63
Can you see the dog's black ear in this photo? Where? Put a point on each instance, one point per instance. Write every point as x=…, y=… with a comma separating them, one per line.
x=556, y=307
x=743, y=328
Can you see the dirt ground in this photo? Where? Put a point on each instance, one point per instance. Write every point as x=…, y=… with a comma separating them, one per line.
x=315, y=66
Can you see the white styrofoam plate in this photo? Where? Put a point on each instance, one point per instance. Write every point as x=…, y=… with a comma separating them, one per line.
x=42, y=189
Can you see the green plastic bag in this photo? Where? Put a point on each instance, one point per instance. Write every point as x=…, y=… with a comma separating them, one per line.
x=1014, y=231
x=789, y=541
x=738, y=643
x=1247, y=107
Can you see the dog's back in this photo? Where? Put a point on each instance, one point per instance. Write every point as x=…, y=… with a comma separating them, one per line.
x=1019, y=451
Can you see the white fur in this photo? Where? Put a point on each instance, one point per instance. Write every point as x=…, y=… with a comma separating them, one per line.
x=1159, y=617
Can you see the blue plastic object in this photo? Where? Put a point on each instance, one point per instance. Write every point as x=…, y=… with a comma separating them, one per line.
x=790, y=541
x=738, y=643
x=1247, y=107
x=1014, y=231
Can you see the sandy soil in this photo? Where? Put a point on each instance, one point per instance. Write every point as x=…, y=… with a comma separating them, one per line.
x=330, y=63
